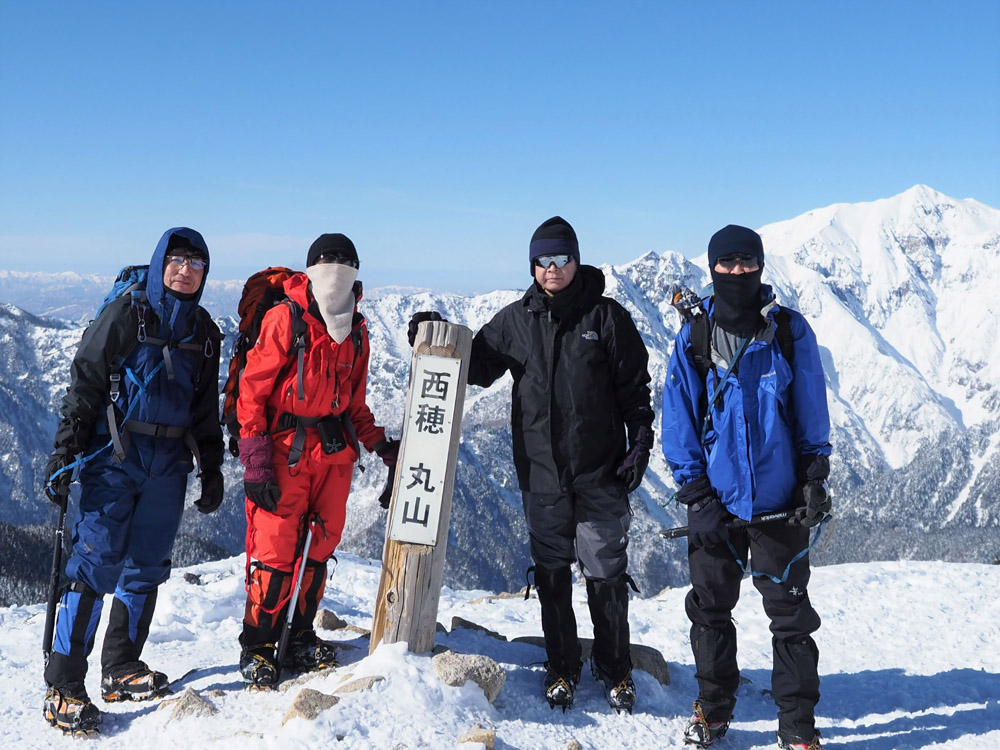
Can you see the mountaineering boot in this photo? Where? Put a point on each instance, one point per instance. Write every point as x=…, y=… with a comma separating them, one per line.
x=307, y=652
x=259, y=670
x=702, y=733
x=69, y=709
x=133, y=682
x=562, y=646
x=621, y=697
x=797, y=743
x=560, y=690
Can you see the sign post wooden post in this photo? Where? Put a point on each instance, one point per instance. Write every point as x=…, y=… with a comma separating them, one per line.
x=420, y=512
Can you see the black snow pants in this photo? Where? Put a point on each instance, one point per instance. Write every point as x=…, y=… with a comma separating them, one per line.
x=715, y=589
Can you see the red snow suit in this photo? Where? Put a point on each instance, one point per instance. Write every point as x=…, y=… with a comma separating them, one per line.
x=334, y=379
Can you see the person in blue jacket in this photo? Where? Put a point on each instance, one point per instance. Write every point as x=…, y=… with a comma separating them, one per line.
x=762, y=446
x=140, y=412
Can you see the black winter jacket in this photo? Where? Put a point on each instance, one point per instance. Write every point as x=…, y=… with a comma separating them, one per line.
x=581, y=383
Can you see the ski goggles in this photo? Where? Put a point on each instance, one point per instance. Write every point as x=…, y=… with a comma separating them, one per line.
x=729, y=262
x=180, y=261
x=560, y=260
x=339, y=259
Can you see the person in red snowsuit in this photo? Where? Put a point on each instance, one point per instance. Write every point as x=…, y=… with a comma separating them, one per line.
x=303, y=418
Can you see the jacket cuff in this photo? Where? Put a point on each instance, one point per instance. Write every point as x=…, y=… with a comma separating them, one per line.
x=812, y=468
x=695, y=490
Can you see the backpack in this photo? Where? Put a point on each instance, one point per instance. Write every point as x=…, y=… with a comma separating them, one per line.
x=130, y=280
x=262, y=291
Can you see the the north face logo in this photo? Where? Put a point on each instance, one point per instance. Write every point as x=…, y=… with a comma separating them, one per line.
x=590, y=335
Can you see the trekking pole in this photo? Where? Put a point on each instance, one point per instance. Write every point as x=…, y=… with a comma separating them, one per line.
x=286, y=631
x=736, y=523
x=50, y=611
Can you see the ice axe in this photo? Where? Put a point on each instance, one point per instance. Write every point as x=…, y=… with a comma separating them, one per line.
x=736, y=523
x=286, y=631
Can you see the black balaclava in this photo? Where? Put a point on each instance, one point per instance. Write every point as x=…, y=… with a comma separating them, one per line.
x=737, y=296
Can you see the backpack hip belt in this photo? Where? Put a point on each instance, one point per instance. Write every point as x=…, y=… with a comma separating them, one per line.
x=331, y=428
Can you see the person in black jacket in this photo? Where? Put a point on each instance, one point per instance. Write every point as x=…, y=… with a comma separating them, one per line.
x=141, y=407
x=581, y=389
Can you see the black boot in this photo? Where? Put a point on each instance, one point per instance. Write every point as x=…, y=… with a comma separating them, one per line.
x=562, y=646
x=611, y=660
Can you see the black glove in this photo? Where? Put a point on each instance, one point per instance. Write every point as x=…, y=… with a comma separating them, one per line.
x=812, y=504
x=388, y=451
x=636, y=460
x=416, y=320
x=265, y=495
x=633, y=467
x=707, y=522
x=57, y=490
x=212, y=490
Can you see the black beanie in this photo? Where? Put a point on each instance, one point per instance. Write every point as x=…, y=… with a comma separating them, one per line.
x=336, y=245
x=553, y=237
x=735, y=240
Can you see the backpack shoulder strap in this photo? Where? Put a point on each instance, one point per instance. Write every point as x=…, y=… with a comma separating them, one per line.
x=783, y=333
x=298, y=346
x=701, y=346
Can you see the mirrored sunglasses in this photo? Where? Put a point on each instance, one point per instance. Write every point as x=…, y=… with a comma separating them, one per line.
x=339, y=259
x=186, y=260
x=729, y=262
x=544, y=261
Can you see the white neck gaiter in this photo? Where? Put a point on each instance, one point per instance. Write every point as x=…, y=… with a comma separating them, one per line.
x=333, y=289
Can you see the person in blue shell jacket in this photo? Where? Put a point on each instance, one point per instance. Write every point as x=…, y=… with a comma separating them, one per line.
x=763, y=447
x=140, y=412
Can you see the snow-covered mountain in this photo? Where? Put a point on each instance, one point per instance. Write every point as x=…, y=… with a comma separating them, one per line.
x=901, y=294
x=882, y=687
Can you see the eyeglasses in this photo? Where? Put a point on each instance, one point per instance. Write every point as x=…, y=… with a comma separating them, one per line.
x=729, y=262
x=196, y=264
x=561, y=260
x=339, y=259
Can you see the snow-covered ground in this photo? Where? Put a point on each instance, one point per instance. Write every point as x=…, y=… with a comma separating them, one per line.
x=909, y=658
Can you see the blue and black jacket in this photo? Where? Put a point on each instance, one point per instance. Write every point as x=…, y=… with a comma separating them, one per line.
x=771, y=414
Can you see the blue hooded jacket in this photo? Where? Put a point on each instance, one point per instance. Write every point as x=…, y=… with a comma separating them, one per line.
x=771, y=413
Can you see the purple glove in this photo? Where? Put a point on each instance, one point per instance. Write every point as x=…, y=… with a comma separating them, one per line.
x=259, y=481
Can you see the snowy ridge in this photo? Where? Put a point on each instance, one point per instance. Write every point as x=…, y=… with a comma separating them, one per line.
x=899, y=291
x=880, y=689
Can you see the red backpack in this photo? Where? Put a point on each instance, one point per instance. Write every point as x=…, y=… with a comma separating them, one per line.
x=263, y=290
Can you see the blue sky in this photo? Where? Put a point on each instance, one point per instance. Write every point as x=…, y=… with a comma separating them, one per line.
x=438, y=135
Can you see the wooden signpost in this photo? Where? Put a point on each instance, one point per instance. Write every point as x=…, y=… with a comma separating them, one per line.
x=420, y=513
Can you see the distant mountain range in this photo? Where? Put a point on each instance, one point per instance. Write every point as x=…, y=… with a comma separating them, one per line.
x=902, y=294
